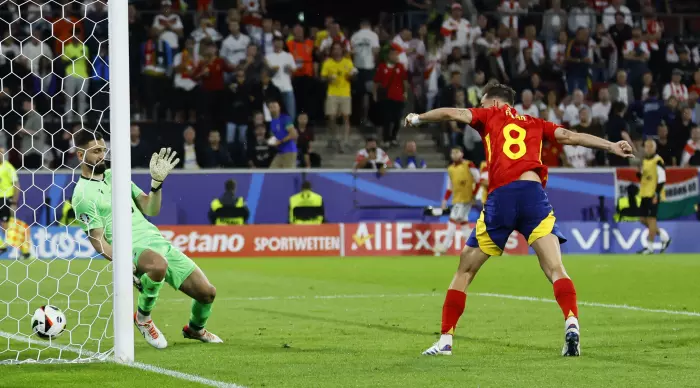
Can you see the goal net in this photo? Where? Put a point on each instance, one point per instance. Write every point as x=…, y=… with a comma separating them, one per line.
x=54, y=81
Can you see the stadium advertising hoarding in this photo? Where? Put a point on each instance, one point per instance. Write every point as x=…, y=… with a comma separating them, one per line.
x=360, y=239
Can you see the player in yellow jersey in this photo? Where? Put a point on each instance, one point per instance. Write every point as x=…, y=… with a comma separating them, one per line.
x=463, y=178
x=9, y=197
x=652, y=179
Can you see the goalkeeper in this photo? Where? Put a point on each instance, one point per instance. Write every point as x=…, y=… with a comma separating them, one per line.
x=156, y=261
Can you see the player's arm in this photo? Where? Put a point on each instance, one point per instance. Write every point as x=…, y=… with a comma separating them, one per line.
x=566, y=137
x=660, y=179
x=448, y=194
x=439, y=115
x=98, y=241
x=160, y=166
x=150, y=204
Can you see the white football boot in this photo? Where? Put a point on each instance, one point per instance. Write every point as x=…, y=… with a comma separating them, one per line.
x=443, y=347
x=572, y=346
x=203, y=335
x=150, y=332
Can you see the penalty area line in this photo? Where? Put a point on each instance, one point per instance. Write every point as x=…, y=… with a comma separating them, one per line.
x=104, y=357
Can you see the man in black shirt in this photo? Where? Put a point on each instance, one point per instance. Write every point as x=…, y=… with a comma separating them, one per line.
x=260, y=153
x=617, y=129
x=620, y=33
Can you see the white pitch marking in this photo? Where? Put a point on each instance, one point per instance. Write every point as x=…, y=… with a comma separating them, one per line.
x=137, y=365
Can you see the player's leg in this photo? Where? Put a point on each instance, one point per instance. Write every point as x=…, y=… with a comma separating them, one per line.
x=4, y=224
x=151, y=268
x=457, y=216
x=487, y=239
x=203, y=293
x=184, y=275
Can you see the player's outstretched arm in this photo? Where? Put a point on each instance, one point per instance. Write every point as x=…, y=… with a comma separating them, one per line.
x=97, y=239
x=566, y=137
x=439, y=115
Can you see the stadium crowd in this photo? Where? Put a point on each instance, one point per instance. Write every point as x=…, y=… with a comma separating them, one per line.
x=212, y=66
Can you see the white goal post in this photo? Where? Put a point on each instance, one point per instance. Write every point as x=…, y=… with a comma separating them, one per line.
x=48, y=263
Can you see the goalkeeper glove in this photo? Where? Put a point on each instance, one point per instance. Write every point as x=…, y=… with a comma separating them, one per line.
x=161, y=165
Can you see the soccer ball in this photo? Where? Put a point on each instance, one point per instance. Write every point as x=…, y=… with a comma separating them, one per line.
x=48, y=322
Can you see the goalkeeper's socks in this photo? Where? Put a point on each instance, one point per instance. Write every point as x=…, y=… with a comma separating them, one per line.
x=149, y=293
x=565, y=294
x=452, y=309
x=199, y=315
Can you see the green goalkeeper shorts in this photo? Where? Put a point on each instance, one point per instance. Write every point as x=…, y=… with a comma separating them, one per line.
x=179, y=265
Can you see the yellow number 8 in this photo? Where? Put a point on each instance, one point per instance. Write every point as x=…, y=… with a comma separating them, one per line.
x=518, y=140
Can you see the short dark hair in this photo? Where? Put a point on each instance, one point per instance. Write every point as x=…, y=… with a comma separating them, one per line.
x=500, y=91
x=369, y=139
x=230, y=185
x=458, y=148
x=84, y=136
x=306, y=185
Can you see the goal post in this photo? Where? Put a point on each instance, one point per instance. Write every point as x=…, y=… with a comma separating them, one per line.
x=120, y=116
x=52, y=92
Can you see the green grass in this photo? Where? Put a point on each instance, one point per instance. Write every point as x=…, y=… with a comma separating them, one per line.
x=376, y=340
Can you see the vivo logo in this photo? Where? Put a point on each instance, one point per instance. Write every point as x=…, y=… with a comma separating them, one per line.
x=604, y=235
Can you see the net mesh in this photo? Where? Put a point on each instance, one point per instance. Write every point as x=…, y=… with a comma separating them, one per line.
x=54, y=82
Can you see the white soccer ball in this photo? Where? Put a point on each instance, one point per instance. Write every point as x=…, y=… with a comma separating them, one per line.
x=48, y=322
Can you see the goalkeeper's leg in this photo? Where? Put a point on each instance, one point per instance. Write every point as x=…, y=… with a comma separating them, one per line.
x=153, y=268
x=197, y=286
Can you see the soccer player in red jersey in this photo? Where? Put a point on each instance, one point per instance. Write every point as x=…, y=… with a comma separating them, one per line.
x=516, y=201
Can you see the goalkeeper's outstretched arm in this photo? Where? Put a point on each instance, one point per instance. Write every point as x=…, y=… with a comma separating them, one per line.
x=97, y=239
x=161, y=165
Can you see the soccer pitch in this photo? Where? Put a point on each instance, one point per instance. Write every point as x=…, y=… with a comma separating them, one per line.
x=363, y=322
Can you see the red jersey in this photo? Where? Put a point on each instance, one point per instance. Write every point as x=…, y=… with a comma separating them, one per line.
x=513, y=143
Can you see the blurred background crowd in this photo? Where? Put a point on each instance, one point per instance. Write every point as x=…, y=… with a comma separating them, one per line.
x=204, y=71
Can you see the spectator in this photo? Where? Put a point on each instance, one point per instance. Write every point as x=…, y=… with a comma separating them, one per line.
x=694, y=106
x=526, y=66
x=67, y=26
x=265, y=38
x=601, y=109
x=653, y=112
x=262, y=92
x=307, y=158
x=253, y=64
x=557, y=53
x=260, y=153
x=552, y=153
x=410, y=159
x=620, y=90
x=365, y=46
x=338, y=72
x=284, y=137
x=579, y=58
x=553, y=112
x=156, y=61
x=578, y=156
x=448, y=93
x=235, y=46
x=686, y=66
x=303, y=83
x=617, y=129
x=616, y=7
x=391, y=84
x=664, y=148
x=432, y=72
x=456, y=30
x=604, y=55
x=581, y=16
x=238, y=111
x=476, y=90
x=530, y=42
x=458, y=129
x=140, y=154
x=33, y=49
x=76, y=58
x=282, y=65
x=553, y=22
x=334, y=35
x=680, y=131
x=642, y=93
x=323, y=34
x=526, y=107
x=586, y=123
x=253, y=12
x=510, y=9
x=210, y=72
x=571, y=111
x=215, y=155
x=651, y=27
x=636, y=54
x=489, y=56
x=620, y=32
x=372, y=157
x=34, y=146
x=672, y=105
x=205, y=32
x=401, y=44
x=190, y=156
x=168, y=25
x=675, y=88
x=695, y=87
x=185, y=95
x=691, y=151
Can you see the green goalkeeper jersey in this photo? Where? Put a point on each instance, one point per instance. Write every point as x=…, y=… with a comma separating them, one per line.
x=92, y=201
